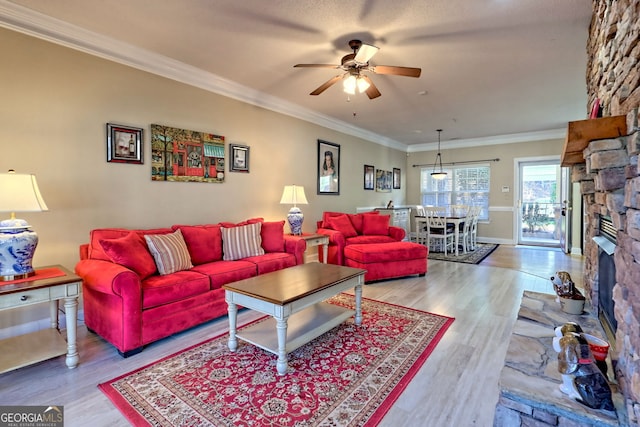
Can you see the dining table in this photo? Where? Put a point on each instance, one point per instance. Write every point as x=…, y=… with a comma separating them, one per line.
x=455, y=216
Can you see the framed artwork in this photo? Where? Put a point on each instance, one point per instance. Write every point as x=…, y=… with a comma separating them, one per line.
x=369, y=177
x=396, y=178
x=328, y=168
x=124, y=144
x=239, y=158
x=383, y=181
x=182, y=155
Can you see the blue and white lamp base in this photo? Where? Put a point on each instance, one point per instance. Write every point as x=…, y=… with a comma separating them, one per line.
x=295, y=218
x=17, y=246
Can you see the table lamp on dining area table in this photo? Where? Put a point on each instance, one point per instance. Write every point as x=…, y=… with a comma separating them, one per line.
x=18, y=193
x=294, y=195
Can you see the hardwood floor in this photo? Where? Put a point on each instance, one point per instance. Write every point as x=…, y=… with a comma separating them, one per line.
x=457, y=385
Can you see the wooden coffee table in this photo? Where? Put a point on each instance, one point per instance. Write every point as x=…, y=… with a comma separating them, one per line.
x=294, y=297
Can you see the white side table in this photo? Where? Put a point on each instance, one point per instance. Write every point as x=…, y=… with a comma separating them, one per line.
x=317, y=240
x=24, y=350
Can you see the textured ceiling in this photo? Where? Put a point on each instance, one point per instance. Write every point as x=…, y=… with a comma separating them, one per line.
x=489, y=67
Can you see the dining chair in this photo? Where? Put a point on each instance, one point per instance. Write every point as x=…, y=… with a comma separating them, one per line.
x=474, y=214
x=465, y=233
x=439, y=230
x=420, y=222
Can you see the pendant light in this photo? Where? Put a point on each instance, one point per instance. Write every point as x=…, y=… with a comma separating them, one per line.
x=438, y=174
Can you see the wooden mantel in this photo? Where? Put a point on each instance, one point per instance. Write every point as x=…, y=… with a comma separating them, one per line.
x=580, y=133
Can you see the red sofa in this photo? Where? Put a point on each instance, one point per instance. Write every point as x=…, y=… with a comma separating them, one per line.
x=143, y=285
x=350, y=229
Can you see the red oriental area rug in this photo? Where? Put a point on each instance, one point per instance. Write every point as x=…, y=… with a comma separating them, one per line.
x=350, y=376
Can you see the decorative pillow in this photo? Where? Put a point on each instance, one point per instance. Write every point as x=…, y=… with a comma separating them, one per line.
x=272, y=234
x=131, y=252
x=241, y=241
x=169, y=251
x=356, y=220
x=203, y=241
x=342, y=223
x=377, y=225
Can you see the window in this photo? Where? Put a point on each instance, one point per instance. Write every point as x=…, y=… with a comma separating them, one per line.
x=463, y=186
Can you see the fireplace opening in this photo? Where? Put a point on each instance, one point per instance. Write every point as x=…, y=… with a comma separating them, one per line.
x=606, y=240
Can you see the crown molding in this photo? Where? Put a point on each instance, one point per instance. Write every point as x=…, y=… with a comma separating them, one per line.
x=32, y=23
x=492, y=140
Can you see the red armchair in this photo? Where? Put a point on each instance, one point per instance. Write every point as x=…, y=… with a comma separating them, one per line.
x=348, y=229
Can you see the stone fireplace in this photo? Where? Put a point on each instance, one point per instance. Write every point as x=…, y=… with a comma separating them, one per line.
x=610, y=185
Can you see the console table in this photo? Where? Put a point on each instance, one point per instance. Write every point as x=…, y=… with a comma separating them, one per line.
x=45, y=344
x=529, y=382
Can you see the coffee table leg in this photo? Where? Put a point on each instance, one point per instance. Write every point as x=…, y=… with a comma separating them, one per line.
x=358, y=291
x=281, y=326
x=232, y=309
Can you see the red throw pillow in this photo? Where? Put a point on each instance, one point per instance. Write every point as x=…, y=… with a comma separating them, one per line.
x=204, y=242
x=356, y=220
x=342, y=223
x=130, y=251
x=273, y=236
x=377, y=225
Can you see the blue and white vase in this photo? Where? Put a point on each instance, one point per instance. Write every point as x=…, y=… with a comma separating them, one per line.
x=295, y=218
x=17, y=246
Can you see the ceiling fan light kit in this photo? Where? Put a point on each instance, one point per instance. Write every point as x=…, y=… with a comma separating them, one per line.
x=355, y=65
x=439, y=174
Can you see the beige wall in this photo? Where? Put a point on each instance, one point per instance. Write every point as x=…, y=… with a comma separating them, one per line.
x=55, y=105
x=500, y=227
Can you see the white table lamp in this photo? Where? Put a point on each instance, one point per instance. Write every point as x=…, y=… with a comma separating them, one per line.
x=18, y=193
x=294, y=195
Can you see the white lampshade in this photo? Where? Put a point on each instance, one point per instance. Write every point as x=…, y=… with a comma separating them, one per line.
x=19, y=192
x=293, y=195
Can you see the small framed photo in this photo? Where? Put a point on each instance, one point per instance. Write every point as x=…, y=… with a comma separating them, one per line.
x=396, y=178
x=239, y=158
x=328, y=168
x=369, y=177
x=383, y=181
x=124, y=144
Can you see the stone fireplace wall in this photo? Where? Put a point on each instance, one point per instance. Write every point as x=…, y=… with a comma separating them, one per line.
x=610, y=182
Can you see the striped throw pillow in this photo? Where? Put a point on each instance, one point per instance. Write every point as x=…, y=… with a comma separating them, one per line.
x=242, y=241
x=169, y=252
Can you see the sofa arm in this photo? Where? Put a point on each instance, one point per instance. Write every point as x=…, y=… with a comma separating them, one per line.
x=110, y=278
x=296, y=246
x=397, y=233
x=337, y=242
x=336, y=238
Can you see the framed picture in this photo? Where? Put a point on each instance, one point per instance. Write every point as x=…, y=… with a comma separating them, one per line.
x=369, y=177
x=124, y=144
x=383, y=181
x=183, y=155
x=239, y=158
x=396, y=178
x=328, y=168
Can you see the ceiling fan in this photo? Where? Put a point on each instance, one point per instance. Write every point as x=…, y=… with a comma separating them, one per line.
x=355, y=65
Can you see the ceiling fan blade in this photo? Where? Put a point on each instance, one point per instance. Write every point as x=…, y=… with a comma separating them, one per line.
x=396, y=71
x=365, y=53
x=316, y=66
x=326, y=85
x=372, y=91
